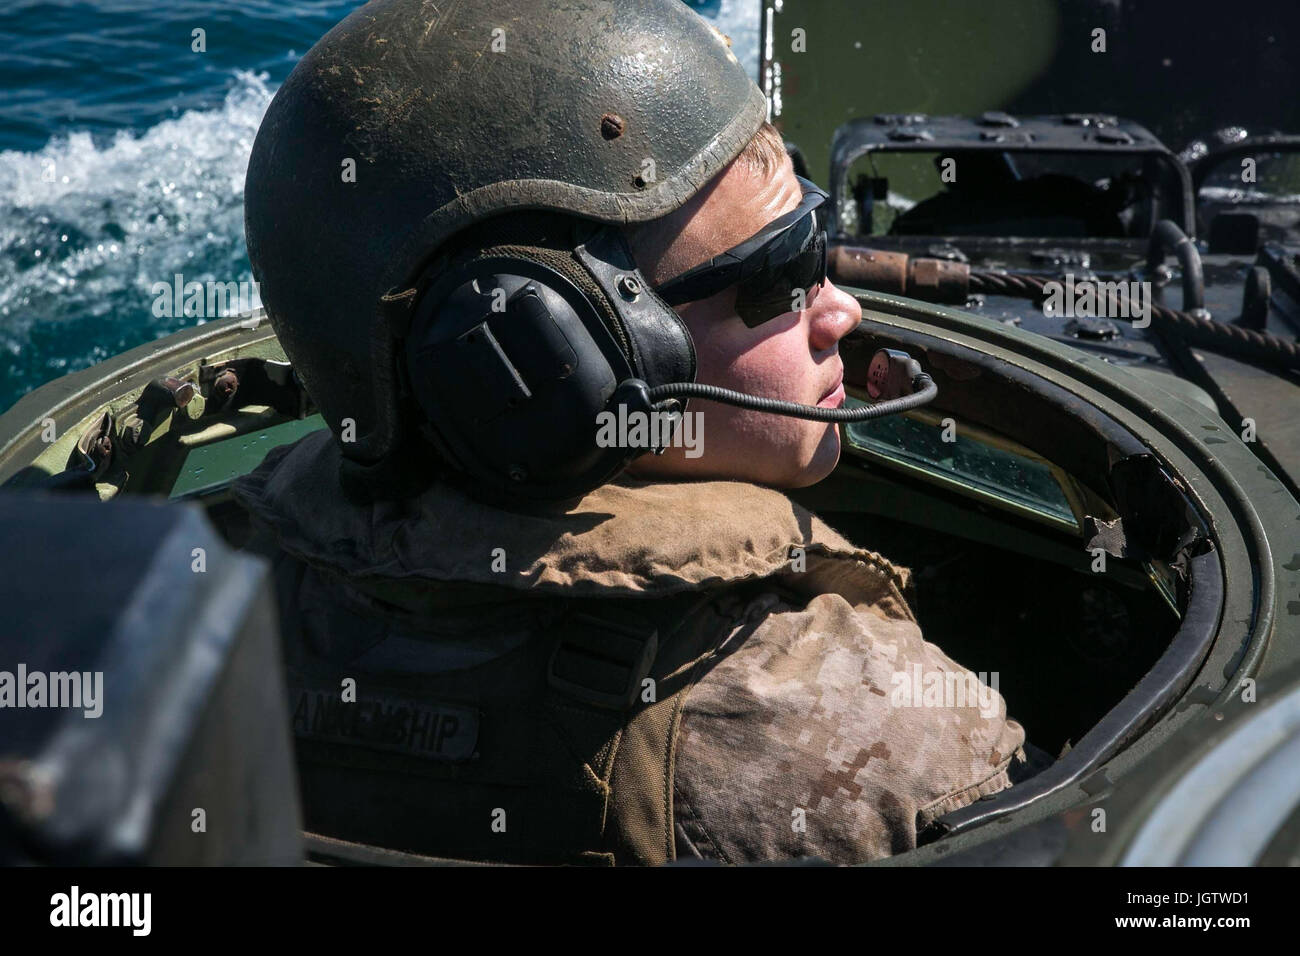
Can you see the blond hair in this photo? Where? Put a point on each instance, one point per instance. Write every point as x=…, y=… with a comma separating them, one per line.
x=765, y=153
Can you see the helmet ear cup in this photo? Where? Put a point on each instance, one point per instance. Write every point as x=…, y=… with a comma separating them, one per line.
x=510, y=364
x=660, y=343
x=514, y=350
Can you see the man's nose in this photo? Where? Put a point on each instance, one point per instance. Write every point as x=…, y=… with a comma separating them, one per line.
x=834, y=314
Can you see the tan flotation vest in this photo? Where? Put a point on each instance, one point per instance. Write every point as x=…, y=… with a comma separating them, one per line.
x=472, y=683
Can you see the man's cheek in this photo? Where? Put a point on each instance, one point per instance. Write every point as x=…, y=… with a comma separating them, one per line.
x=770, y=371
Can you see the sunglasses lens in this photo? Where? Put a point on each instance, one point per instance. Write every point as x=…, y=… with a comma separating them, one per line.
x=779, y=287
x=770, y=270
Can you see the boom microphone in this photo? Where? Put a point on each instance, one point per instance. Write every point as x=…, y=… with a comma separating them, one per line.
x=893, y=376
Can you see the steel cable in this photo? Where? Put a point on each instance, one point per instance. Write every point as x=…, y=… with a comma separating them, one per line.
x=1196, y=330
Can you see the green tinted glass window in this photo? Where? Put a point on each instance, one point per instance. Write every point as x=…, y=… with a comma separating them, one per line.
x=218, y=463
x=969, y=464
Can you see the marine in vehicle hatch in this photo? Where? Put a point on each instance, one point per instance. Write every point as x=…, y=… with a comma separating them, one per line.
x=510, y=636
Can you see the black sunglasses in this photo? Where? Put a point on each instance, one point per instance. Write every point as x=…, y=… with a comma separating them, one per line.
x=786, y=255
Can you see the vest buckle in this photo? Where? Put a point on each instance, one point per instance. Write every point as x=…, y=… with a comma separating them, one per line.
x=602, y=661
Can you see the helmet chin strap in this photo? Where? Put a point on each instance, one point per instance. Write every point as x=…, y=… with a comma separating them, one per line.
x=894, y=376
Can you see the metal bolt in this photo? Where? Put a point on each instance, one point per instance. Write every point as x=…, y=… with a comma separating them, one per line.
x=225, y=385
x=612, y=126
x=628, y=287
x=181, y=392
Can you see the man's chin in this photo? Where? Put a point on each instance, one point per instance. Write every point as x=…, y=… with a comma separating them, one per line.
x=814, y=473
x=803, y=470
x=816, y=466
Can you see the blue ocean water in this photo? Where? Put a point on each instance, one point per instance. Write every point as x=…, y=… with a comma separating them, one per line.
x=123, y=153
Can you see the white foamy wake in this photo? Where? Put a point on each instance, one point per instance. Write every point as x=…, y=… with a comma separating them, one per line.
x=86, y=229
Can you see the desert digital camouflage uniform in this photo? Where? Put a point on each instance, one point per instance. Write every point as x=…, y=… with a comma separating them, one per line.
x=769, y=732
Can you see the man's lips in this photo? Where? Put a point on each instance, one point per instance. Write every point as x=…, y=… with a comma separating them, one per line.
x=835, y=394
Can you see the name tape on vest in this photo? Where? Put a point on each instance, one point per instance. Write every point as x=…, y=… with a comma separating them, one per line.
x=433, y=729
